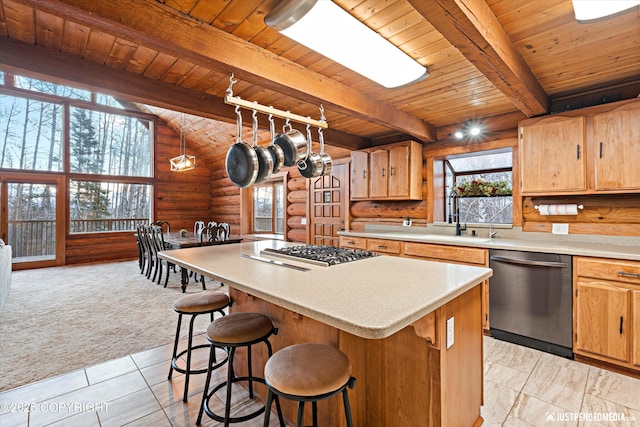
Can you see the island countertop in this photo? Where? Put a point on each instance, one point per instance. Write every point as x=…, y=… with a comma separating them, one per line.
x=371, y=298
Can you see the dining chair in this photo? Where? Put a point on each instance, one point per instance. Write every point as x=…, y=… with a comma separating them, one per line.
x=162, y=224
x=197, y=227
x=143, y=251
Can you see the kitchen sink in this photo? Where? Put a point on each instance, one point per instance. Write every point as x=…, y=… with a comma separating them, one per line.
x=455, y=239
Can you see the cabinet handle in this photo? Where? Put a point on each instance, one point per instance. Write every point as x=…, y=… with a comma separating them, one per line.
x=621, y=318
x=632, y=275
x=382, y=171
x=600, y=149
x=578, y=151
x=382, y=246
x=391, y=171
x=351, y=242
x=364, y=174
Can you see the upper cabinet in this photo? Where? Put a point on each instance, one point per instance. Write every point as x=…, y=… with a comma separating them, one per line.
x=589, y=151
x=392, y=172
x=617, y=148
x=552, y=155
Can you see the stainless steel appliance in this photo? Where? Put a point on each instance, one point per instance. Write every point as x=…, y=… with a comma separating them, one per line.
x=530, y=300
x=324, y=255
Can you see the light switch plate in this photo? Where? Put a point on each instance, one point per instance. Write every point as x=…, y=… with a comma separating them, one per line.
x=560, y=228
x=450, y=332
x=303, y=221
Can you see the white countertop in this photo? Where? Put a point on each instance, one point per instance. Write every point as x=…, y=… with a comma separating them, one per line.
x=601, y=250
x=371, y=298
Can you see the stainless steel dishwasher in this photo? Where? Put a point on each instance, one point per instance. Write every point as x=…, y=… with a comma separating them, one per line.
x=530, y=300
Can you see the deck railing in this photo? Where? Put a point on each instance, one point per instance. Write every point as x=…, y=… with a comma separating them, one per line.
x=37, y=238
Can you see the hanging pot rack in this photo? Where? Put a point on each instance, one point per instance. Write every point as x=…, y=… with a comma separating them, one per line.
x=255, y=106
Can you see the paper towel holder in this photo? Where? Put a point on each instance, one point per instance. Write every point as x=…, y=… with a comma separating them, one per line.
x=537, y=207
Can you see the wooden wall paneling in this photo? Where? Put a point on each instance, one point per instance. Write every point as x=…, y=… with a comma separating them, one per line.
x=602, y=214
x=297, y=207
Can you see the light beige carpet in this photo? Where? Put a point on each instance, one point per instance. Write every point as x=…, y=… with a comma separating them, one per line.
x=56, y=320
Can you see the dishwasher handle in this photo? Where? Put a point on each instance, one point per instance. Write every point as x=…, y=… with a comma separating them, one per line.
x=518, y=261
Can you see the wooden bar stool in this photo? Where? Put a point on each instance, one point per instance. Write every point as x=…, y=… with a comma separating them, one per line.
x=194, y=305
x=231, y=332
x=308, y=373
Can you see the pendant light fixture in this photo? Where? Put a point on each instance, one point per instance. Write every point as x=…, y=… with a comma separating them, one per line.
x=323, y=26
x=183, y=162
x=592, y=10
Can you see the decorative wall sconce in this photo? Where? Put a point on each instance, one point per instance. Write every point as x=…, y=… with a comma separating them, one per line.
x=183, y=162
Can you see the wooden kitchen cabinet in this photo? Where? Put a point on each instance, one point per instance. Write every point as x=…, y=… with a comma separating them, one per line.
x=359, y=175
x=607, y=310
x=392, y=172
x=387, y=247
x=617, y=148
x=353, y=242
x=590, y=151
x=552, y=155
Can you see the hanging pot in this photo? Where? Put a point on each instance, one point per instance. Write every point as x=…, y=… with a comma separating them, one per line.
x=327, y=161
x=311, y=165
x=293, y=144
x=265, y=162
x=242, y=161
x=277, y=155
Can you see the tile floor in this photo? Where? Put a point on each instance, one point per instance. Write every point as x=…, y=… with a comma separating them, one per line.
x=523, y=387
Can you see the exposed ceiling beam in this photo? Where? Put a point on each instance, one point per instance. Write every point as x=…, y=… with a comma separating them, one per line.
x=472, y=27
x=146, y=22
x=17, y=56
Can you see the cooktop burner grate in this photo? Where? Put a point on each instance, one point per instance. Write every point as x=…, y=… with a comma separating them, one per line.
x=323, y=255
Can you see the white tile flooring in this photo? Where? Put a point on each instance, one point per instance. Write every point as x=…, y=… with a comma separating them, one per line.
x=523, y=387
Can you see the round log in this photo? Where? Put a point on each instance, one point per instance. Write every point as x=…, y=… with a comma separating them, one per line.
x=295, y=221
x=298, y=196
x=370, y=209
x=297, y=184
x=299, y=209
x=297, y=235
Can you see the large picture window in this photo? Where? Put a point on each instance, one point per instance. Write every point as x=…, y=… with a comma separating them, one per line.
x=268, y=207
x=109, y=149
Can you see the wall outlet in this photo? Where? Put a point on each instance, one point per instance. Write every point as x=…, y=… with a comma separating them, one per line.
x=450, y=332
x=560, y=228
x=406, y=222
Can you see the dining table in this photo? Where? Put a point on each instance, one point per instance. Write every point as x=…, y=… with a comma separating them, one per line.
x=177, y=240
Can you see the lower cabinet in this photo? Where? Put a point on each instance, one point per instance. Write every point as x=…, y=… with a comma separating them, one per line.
x=607, y=310
x=430, y=252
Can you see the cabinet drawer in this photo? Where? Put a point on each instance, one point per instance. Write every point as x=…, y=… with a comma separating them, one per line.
x=607, y=269
x=386, y=246
x=353, y=242
x=446, y=253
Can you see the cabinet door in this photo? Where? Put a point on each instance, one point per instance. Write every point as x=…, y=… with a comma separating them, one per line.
x=359, y=175
x=552, y=155
x=399, y=169
x=617, y=149
x=602, y=319
x=379, y=162
x=635, y=324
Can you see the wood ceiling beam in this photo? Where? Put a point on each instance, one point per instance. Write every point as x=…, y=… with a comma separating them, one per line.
x=472, y=27
x=51, y=65
x=157, y=27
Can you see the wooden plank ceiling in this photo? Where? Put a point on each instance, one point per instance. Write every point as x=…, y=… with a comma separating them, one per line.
x=496, y=61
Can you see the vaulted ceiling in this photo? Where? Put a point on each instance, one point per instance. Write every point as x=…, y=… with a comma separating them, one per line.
x=495, y=61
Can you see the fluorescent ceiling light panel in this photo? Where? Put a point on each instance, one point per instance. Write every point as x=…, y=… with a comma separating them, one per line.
x=589, y=10
x=323, y=26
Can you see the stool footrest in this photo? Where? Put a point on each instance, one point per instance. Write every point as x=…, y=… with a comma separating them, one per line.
x=239, y=419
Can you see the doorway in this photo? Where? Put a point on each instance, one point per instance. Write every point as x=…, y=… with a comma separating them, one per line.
x=329, y=196
x=32, y=219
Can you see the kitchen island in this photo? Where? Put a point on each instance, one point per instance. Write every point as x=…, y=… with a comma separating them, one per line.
x=388, y=314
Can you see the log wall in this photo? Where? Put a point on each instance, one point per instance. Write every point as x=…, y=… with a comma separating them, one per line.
x=181, y=198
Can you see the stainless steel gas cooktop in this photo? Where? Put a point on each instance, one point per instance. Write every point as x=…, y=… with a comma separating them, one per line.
x=323, y=255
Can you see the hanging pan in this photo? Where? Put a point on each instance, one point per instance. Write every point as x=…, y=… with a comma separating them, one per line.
x=311, y=165
x=327, y=161
x=242, y=161
x=277, y=155
x=292, y=143
x=265, y=162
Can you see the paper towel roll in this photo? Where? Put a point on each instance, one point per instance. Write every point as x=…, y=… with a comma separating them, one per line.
x=566, y=209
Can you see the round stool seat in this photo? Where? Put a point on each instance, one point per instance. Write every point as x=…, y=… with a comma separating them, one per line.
x=307, y=369
x=201, y=302
x=239, y=328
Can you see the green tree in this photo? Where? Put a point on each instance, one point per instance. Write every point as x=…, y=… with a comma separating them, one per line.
x=91, y=201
